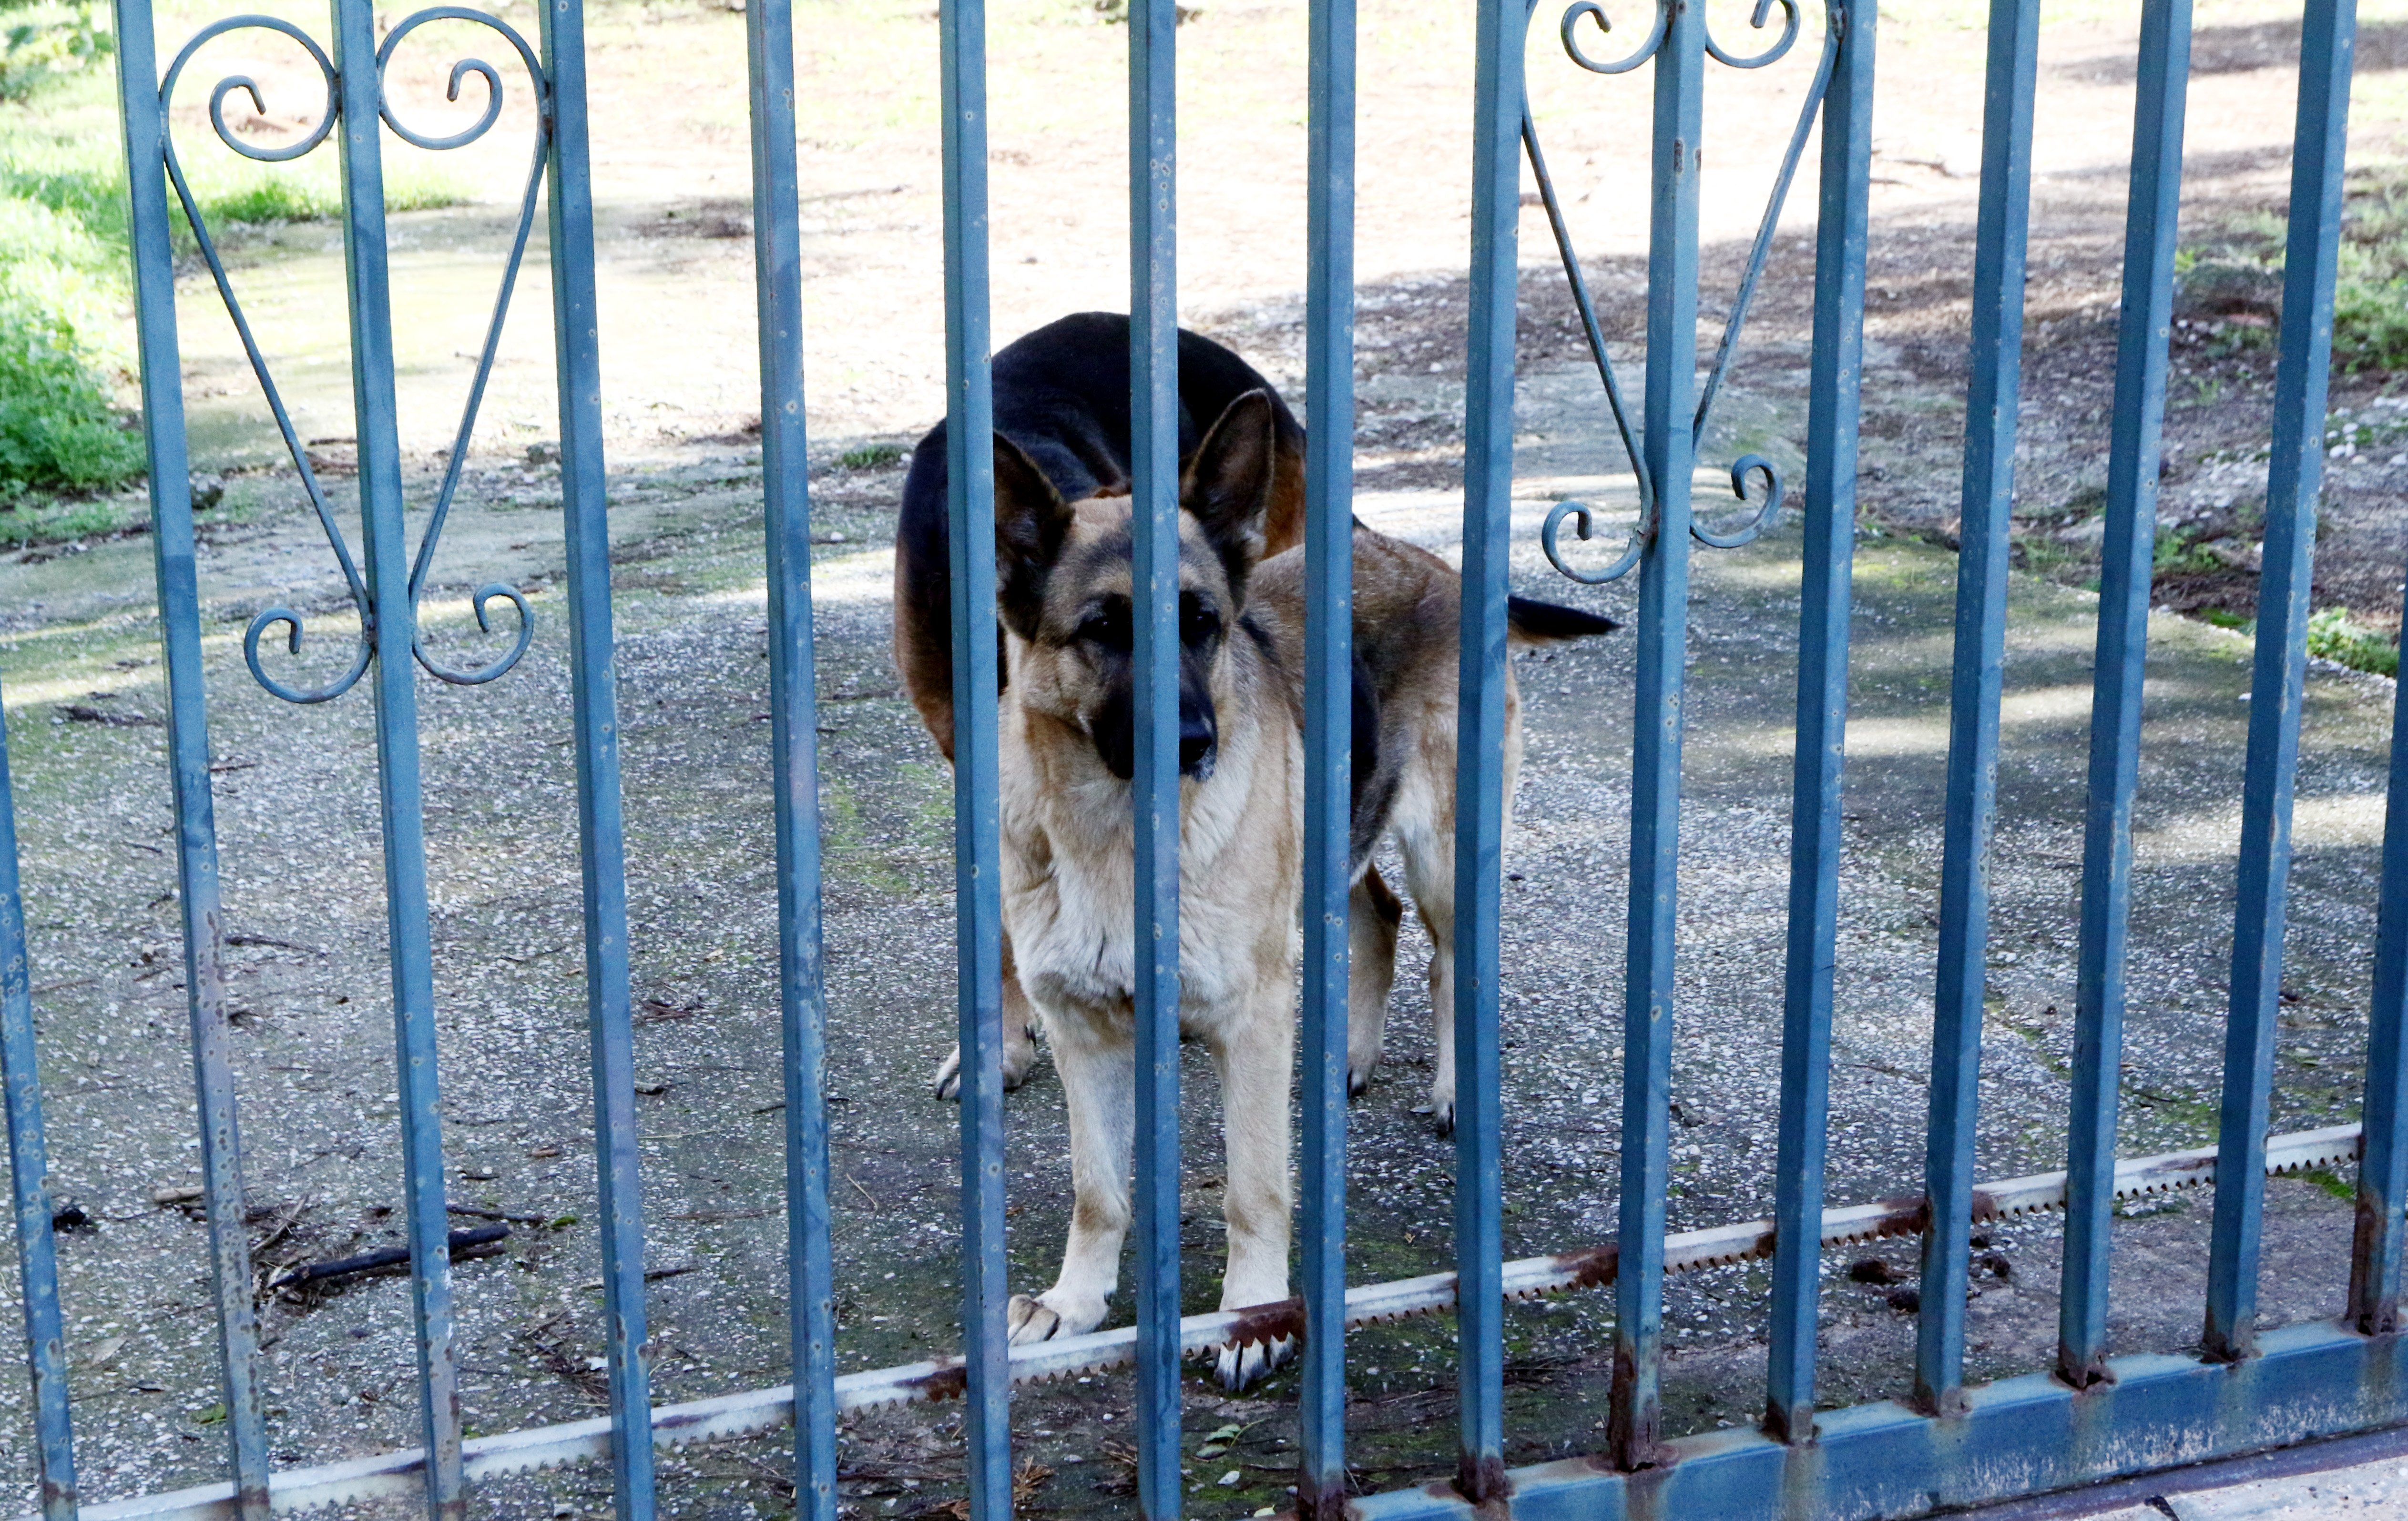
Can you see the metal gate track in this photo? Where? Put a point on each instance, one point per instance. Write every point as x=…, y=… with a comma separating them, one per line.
x=397, y=1473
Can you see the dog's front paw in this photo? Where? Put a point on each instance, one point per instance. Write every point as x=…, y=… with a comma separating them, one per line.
x=1243, y=1365
x=1440, y=1108
x=1358, y=1076
x=1019, y=1059
x=1019, y=1056
x=1049, y=1315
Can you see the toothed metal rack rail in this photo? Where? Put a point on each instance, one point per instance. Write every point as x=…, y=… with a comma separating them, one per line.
x=1942, y=1442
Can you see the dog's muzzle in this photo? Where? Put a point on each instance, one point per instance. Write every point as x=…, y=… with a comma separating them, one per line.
x=1199, y=741
x=1113, y=731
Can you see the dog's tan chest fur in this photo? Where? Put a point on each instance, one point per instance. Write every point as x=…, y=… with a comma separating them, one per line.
x=1068, y=864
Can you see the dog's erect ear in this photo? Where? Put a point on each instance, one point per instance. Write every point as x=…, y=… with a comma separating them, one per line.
x=1031, y=521
x=1228, y=483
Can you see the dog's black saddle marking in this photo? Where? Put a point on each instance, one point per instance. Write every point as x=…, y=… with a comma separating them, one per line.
x=1062, y=395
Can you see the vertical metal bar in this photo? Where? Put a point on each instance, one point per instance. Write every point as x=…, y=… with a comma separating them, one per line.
x=1480, y=744
x=1636, y=1415
x=188, y=748
x=594, y=709
x=2151, y=217
x=1814, y=848
x=394, y=679
x=38, y=1257
x=1153, y=469
x=2382, y=1169
x=2294, y=479
x=1328, y=759
x=1997, y=366
x=969, y=506
x=794, y=746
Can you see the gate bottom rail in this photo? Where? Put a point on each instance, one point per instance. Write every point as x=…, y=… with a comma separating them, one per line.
x=397, y=1473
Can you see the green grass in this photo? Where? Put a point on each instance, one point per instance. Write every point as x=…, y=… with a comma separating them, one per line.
x=2178, y=553
x=2333, y=637
x=2331, y=1182
x=2237, y=269
x=870, y=456
x=2371, y=303
x=65, y=368
x=64, y=519
x=59, y=425
x=44, y=43
x=86, y=179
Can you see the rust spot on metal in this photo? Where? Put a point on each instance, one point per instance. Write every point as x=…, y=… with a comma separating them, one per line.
x=2088, y=1378
x=949, y=1379
x=1945, y=1404
x=1320, y=1502
x=2230, y=1351
x=1630, y=1440
x=1643, y=1490
x=2373, y=1308
x=669, y=1418
x=1782, y=1425
x=1480, y=1478
x=1592, y=1267
x=1985, y=1207
x=1271, y=1322
x=1902, y=1217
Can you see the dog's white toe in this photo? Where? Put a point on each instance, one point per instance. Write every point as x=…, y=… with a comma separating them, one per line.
x=1019, y=1059
x=1442, y=1114
x=1240, y=1366
x=1042, y=1317
x=1032, y=1320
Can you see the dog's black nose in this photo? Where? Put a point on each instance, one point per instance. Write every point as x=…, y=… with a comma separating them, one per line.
x=1198, y=735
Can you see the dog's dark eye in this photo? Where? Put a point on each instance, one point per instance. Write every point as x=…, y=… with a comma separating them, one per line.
x=1108, y=625
x=1200, y=622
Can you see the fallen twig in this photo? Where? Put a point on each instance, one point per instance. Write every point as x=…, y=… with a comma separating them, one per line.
x=652, y=1275
x=474, y=1212
x=391, y=1256
x=271, y=940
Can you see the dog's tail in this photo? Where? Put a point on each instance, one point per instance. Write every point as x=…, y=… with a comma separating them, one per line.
x=1528, y=621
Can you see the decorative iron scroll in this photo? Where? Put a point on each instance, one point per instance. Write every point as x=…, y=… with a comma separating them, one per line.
x=1767, y=504
x=482, y=601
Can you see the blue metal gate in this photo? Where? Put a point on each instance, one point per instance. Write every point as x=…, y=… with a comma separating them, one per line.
x=1941, y=1443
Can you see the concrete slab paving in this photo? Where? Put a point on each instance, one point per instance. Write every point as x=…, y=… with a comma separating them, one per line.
x=2373, y=1491
x=297, y=819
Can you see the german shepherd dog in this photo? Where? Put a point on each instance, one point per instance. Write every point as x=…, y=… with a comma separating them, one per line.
x=1066, y=735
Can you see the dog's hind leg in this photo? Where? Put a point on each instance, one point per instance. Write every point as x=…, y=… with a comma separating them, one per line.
x=1098, y=1070
x=1019, y=1038
x=1429, y=877
x=1374, y=913
x=1256, y=1061
x=1428, y=848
